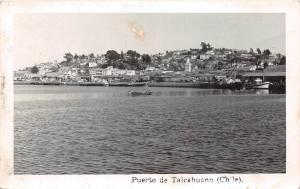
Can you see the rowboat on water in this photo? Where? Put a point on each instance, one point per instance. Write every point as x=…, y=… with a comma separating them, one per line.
x=145, y=91
x=136, y=93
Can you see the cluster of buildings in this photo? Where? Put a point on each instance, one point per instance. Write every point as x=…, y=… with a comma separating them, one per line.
x=221, y=65
x=215, y=59
x=72, y=74
x=176, y=66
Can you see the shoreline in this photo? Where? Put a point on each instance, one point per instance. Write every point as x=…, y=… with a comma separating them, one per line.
x=201, y=85
x=128, y=84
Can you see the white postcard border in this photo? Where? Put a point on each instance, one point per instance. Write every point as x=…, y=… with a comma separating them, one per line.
x=10, y=8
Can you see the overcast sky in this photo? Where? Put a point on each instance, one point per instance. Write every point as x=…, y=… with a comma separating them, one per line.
x=46, y=37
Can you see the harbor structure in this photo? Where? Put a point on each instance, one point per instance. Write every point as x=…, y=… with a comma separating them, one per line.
x=265, y=76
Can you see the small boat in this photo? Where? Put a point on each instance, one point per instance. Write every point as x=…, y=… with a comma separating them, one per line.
x=137, y=93
x=105, y=82
x=259, y=84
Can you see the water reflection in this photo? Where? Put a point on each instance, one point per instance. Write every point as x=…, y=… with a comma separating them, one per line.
x=42, y=93
x=205, y=92
x=262, y=92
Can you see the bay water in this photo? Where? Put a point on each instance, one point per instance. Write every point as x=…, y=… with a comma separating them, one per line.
x=102, y=130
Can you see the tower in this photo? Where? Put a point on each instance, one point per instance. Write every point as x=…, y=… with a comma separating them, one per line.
x=188, y=65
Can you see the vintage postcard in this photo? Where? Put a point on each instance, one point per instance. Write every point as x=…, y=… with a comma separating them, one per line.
x=115, y=94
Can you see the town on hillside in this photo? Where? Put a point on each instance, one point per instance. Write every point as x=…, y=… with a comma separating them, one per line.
x=217, y=66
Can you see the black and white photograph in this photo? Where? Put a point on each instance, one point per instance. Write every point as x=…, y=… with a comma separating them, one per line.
x=166, y=94
x=156, y=93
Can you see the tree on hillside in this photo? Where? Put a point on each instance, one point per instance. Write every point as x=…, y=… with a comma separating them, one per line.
x=69, y=57
x=119, y=64
x=122, y=55
x=104, y=66
x=76, y=56
x=220, y=65
x=174, y=67
x=266, y=65
x=91, y=56
x=209, y=47
x=34, y=69
x=251, y=51
x=133, y=61
x=282, y=61
x=257, y=63
x=133, y=54
x=82, y=57
x=146, y=58
x=203, y=47
x=267, y=52
x=112, y=55
x=258, y=51
x=234, y=60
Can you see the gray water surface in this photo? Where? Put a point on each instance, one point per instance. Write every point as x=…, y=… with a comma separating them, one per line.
x=101, y=130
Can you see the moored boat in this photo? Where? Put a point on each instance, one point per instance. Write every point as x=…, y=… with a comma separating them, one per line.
x=259, y=84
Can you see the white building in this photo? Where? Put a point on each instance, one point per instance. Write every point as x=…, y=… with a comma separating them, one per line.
x=246, y=55
x=96, y=71
x=108, y=71
x=111, y=71
x=130, y=72
x=194, y=57
x=188, y=65
x=210, y=52
x=151, y=69
x=96, y=74
x=92, y=64
x=204, y=56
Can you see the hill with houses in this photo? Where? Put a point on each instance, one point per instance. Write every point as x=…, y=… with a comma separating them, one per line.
x=184, y=64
